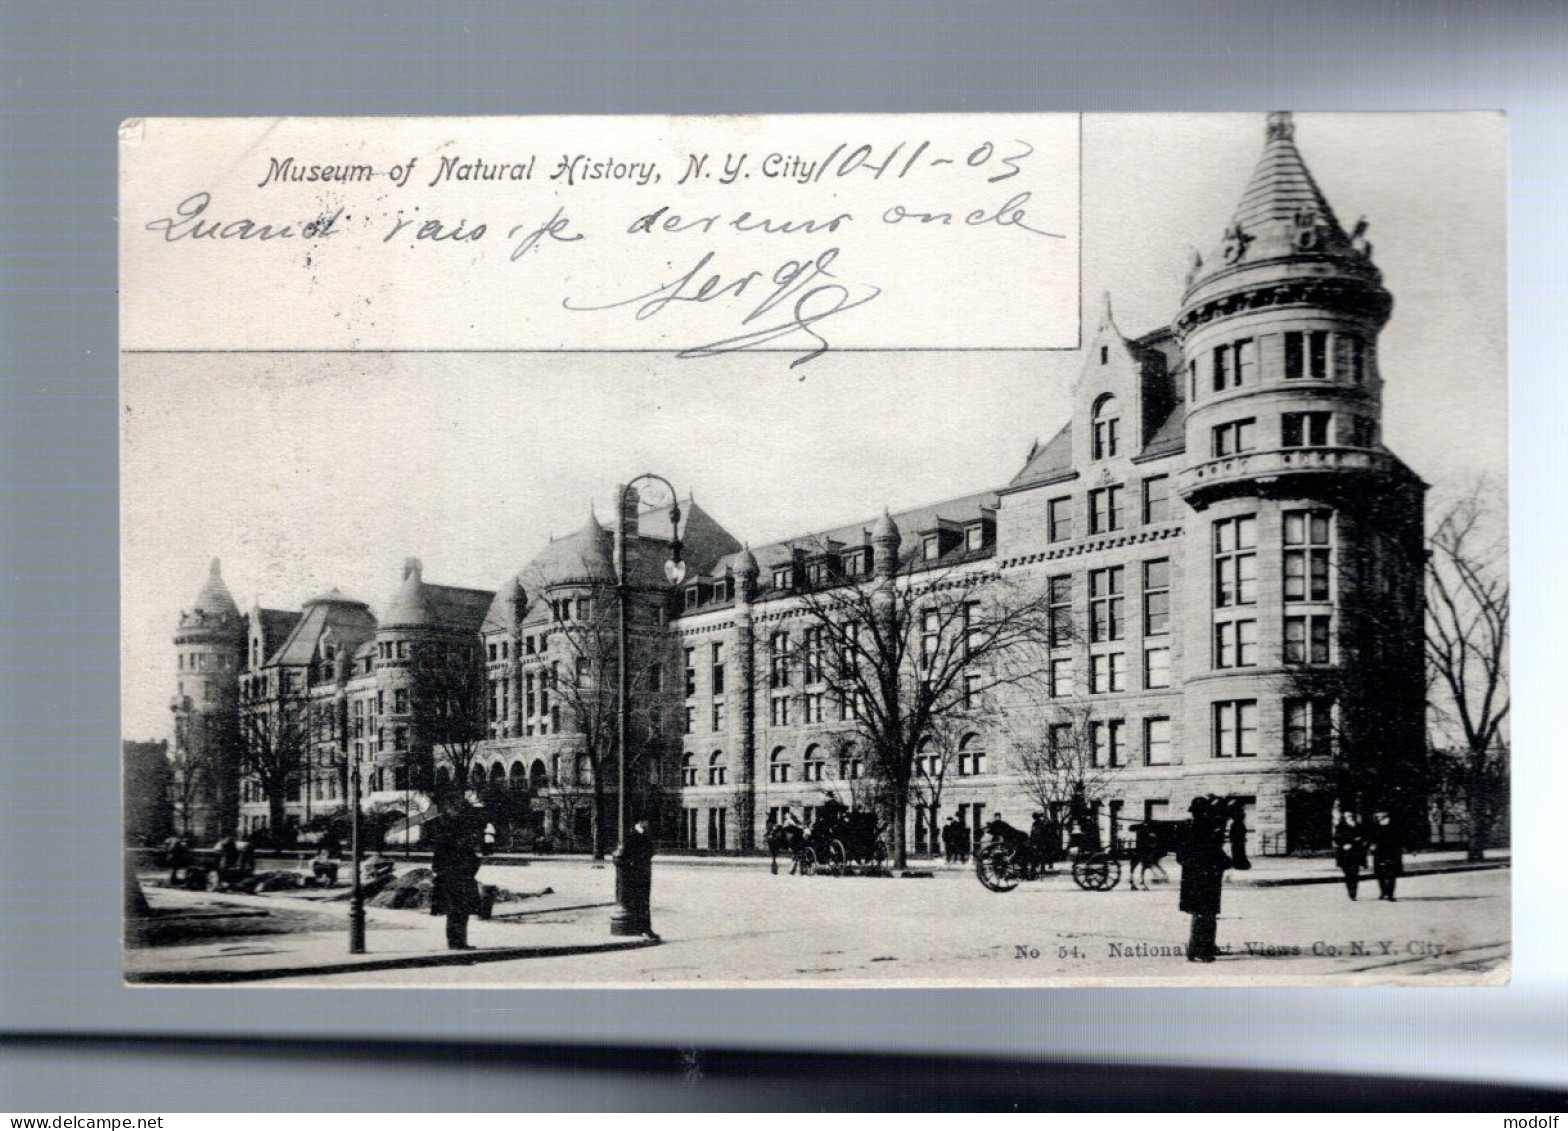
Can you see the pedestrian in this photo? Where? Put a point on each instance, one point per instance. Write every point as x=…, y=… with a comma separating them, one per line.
x=962, y=835
x=1203, y=863
x=178, y=853
x=454, y=858
x=949, y=844
x=637, y=879
x=1350, y=851
x=1388, y=857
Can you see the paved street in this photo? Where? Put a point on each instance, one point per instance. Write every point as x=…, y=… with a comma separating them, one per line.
x=742, y=924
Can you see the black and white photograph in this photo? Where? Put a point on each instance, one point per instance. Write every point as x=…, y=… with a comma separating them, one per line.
x=885, y=551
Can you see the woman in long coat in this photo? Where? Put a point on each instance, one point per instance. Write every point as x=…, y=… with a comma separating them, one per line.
x=1203, y=863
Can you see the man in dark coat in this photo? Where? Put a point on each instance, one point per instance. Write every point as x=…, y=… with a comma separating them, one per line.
x=1203, y=863
x=637, y=878
x=1350, y=851
x=454, y=858
x=1388, y=856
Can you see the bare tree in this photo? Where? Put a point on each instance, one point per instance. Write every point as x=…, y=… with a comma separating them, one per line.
x=447, y=697
x=1068, y=753
x=1467, y=648
x=910, y=648
x=275, y=743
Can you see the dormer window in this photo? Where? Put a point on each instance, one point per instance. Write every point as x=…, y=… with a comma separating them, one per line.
x=691, y=597
x=1107, y=427
x=974, y=536
x=931, y=547
x=783, y=577
x=855, y=563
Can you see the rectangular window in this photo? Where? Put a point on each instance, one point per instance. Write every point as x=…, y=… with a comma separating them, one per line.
x=1308, y=727
x=931, y=547
x=1058, y=742
x=930, y=636
x=1157, y=597
x=814, y=707
x=1307, y=555
x=1234, y=438
x=1236, y=729
x=778, y=660
x=718, y=714
x=1304, y=429
x=1107, y=742
x=783, y=578
x=1246, y=361
x=1106, y=619
x=716, y=668
x=1060, y=610
x=778, y=711
x=1358, y=360
x=691, y=672
x=974, y=536
x=1293, y=355
x=689, y=725
x=1363, y=432
x=1222, y=368
x=1236, y=644
x=1059, y=519
x=815, y=654
x=1235, y=561
x=1307, y=640
x=1061, y=678
x=1156, y=668
x=1156, y=499
x=1107, y=673
x=400, y=701
x=1105, y=510
x=1317, y=354
x=1157, y=741
x=1106, y=437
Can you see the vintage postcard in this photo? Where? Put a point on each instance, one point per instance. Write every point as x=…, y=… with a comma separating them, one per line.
x=970, y=550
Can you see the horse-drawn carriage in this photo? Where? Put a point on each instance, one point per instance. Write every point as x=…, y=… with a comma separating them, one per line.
x=1010, y=856
x=838, y=841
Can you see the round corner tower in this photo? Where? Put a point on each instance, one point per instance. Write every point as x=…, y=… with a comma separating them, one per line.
x=1305, y=530
x=209, y=642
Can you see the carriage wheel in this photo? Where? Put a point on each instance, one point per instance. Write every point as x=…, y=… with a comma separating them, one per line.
x=837, y=857
x=1099, y=872
x=993, y=867
x=808, y=861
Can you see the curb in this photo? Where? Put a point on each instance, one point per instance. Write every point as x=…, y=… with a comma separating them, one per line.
x=1437, y=870
x=408, y=962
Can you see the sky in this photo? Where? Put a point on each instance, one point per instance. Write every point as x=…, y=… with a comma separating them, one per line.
x=307, y=472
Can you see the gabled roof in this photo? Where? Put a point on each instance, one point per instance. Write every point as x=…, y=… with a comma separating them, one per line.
x=348, y=620
x=275, y=626
x=1049, y=462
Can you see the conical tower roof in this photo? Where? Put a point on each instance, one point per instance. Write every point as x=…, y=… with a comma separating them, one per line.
x=214, y=600
x=409, y=607
x=1282, y=215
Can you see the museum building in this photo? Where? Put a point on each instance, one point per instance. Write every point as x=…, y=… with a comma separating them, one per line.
x=1219, y=519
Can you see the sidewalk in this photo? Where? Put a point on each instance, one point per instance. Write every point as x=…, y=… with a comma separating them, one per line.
x=255, y=938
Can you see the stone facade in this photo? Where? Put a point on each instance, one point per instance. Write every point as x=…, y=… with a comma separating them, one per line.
x=1219, y=515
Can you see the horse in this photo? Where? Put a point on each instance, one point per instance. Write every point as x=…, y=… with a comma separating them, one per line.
x=1152, y=841
x=786, y=839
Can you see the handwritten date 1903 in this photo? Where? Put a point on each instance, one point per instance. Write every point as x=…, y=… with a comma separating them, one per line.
x=791, y=301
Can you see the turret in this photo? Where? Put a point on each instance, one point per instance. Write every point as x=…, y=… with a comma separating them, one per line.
x=1278, y=328
x=209, y=641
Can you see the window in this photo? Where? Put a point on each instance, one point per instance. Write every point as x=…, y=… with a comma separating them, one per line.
x=1105, y=510
x=1060, y=610
x=691, y=672
x=1107, y=673
x=972, y=693
x=1356, y=351
x=1156, y=499
x=815, y=655
x=1234, y=437
x=1107, y=427
x=1235, y=561
x=1059, y=519
x=1235, y=365
x=778, y=768
x=1236, y=644
x=689, y=723
x=783, y=577
x=1236, y=729
x=689, y=769
x=1156, y=668
x=1304, y=429
x=930, y=636
x=855, y=563
x=718, y=773
x=1307, y=552
x=778, y=659
x=971, y=756
x=1308, y=727
x=813, y=767
x=778, y=711
x=931, y=547
x=400, y=701
x=1106, y=621
x=1061, y=678
x=1363, y=432
x=974, y=536
x=1106, y=742
x=1307, y=640
x=718, y=714
x=1058, y=742
x=1157, y=741
x=1157, y=597
x=814, y=707
x=716, y=668
x=693, y=595
x=1306, y=354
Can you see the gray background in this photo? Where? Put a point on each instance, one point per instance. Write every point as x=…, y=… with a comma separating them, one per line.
x=70, y=71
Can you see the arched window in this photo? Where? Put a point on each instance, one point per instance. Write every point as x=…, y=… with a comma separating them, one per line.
x=778, y=768
x=814, y=765
x=444, y=775
x=688, y=769
x=717, y=772
x=850, y=765
x=971, y=756
x=517, y=774
x=538, y=776
x=928, y=761
x=497, y=772
x=1107, y=427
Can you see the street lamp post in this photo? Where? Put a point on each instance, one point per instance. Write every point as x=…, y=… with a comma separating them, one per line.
x=624, y=921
